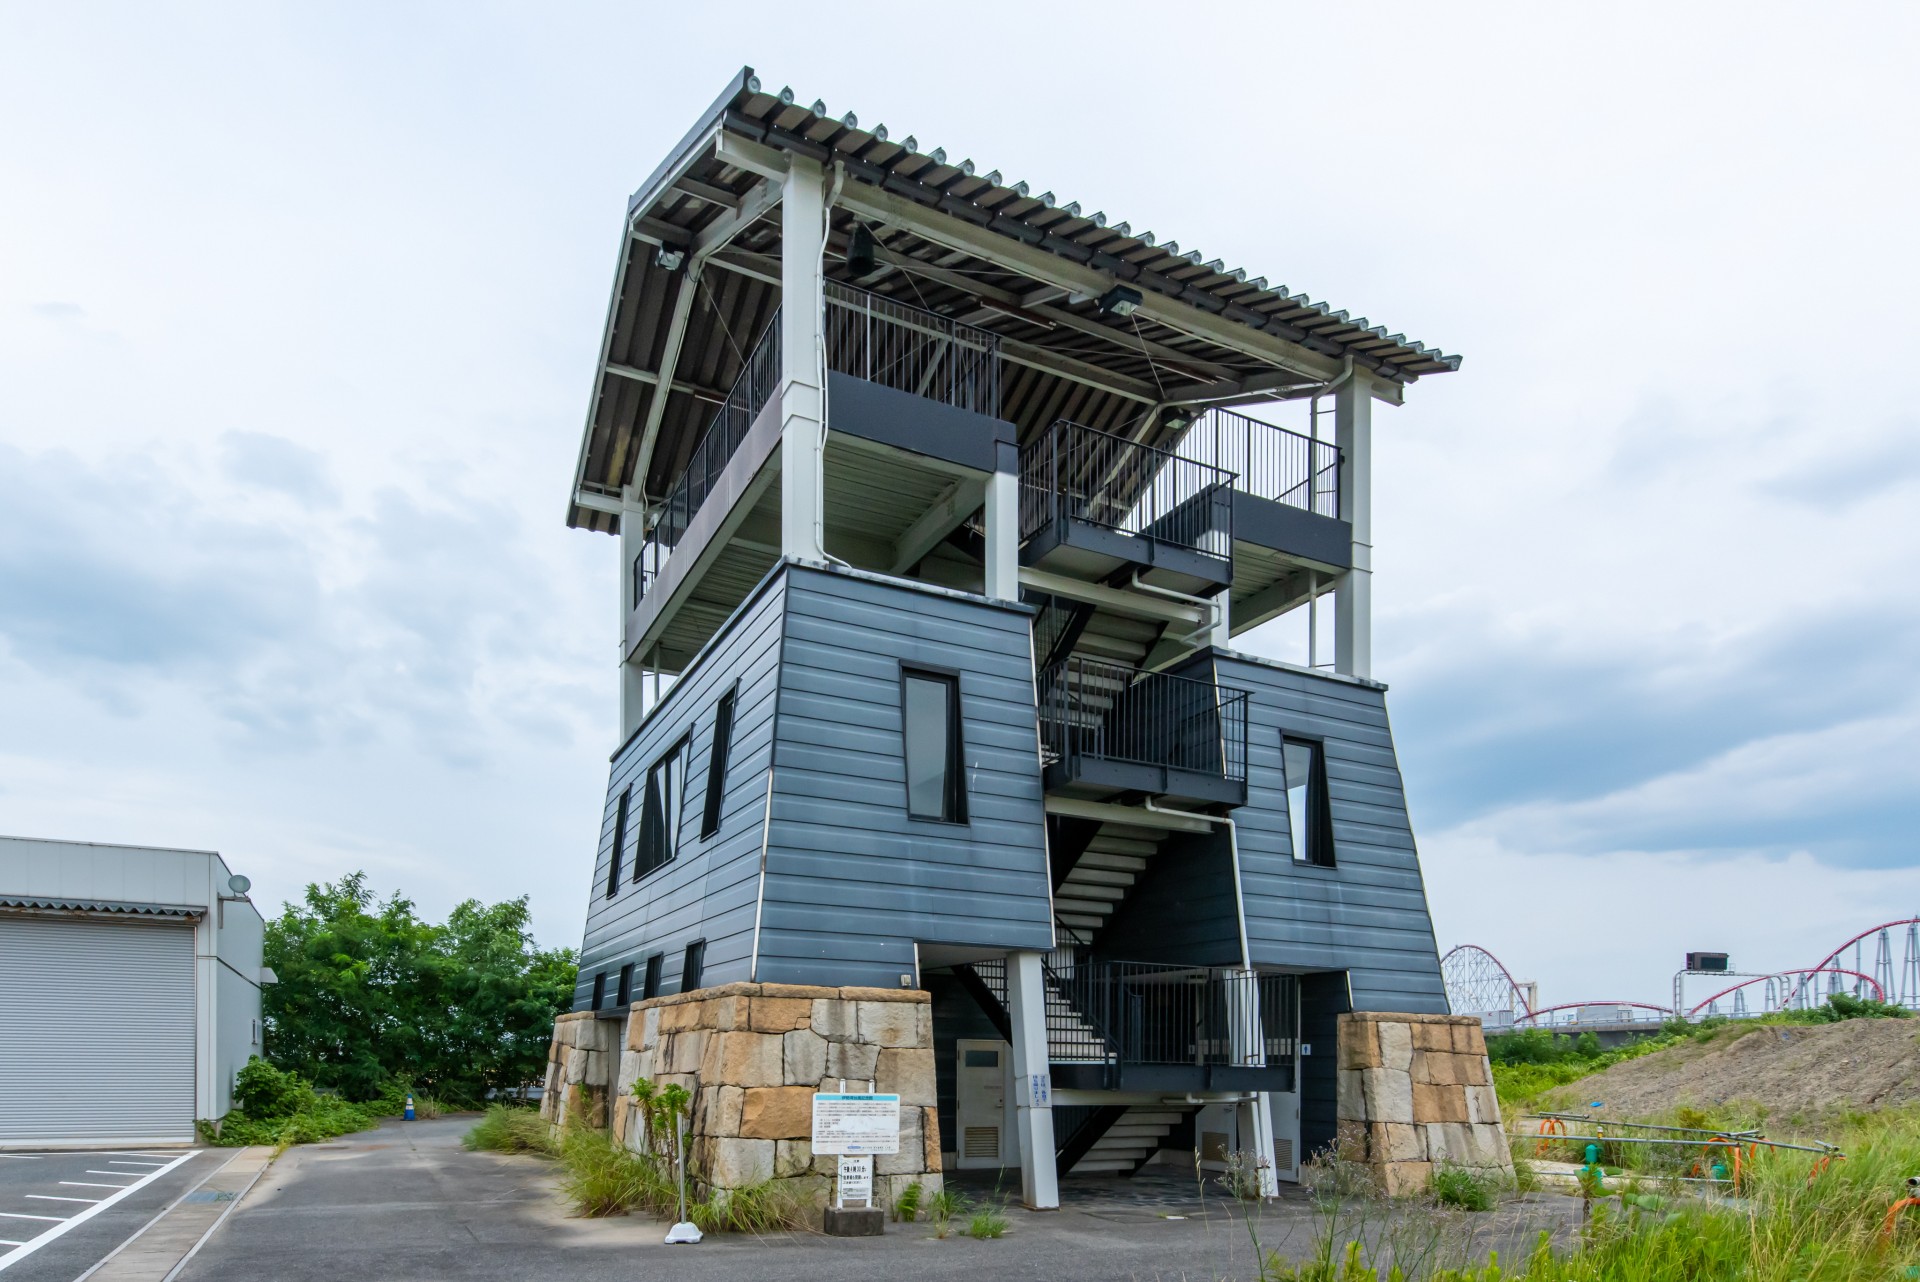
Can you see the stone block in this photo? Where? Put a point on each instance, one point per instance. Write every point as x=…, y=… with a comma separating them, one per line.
x=1396, y=1047
x=854, y=1221
x=930, y=1139
x=1350, y=1097
x=1406, y=1179
x=910, y=1160
x=1350, y=1141
x=852, y=1060
x=1359, y=1044
x=791, y=1158
x=1472, y=1070
x=803, y=1055
x=780, y=1014
x=1435, y=1068
x=729, y=1013
x=1395, y=1142
x=835, y=1020
x=923, y=1025
x=1432, y=1037
x=888, y=1023
x=631, y=1070
x=1390, y=1095
x=688, y=1049
x=733, y=1163
x=598, y=1062
x=684, y=1015
x=716, y=1110
x=576, y=1064
x=1471, y=1038
x=1439, y=1103
x=777, y=1112
x=1483, y=1106
x=1491, y=1147
x=743, y=1059
x=623, y=1111
x=907, y=1073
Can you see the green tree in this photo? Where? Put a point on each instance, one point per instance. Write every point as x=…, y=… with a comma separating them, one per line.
x=369, y=993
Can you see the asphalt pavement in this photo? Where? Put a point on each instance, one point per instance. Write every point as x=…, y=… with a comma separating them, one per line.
x=62, y=1212
x=407, y=1201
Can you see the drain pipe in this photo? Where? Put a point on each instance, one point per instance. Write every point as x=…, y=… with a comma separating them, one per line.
x=1206, y=608
x=820, y=355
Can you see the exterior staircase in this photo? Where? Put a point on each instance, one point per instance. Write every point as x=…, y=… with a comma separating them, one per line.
x=1102, y=878
x=1133, y=1138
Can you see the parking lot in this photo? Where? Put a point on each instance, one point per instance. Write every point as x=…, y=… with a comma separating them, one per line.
x=62, y=1212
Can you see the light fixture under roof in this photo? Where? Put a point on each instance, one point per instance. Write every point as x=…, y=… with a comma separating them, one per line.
x=1121, y=300
x=670, y=257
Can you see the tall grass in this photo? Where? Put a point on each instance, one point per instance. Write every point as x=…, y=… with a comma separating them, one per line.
x=505, y=1129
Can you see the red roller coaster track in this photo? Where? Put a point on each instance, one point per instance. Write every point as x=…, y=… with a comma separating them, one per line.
x=1879, y=993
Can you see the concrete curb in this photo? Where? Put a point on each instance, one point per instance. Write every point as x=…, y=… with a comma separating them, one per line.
x=162, y=1246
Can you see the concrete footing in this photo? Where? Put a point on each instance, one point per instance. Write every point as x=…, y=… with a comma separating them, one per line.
x=855, y=1221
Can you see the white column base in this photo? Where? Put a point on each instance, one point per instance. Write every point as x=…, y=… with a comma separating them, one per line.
x=1032, y=1082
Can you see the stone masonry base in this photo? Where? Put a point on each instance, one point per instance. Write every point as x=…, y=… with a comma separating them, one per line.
x=751, y=1057
x=1416, y=1093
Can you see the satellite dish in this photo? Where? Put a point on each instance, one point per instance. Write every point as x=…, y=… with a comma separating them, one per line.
x=239, y=885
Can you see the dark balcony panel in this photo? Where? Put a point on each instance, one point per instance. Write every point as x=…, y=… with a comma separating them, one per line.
x=1107, y=729
x=889, y=416
x=1325, y=540
x=1092, y=503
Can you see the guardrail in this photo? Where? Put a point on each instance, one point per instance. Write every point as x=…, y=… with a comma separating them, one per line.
x=1091, y=709
x=1267, y=461
x=1079, y=473
x=1148, y=1013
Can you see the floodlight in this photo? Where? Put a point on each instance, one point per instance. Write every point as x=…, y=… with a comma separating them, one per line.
x=1121, y=301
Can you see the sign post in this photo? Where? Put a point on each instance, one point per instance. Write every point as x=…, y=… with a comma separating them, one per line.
x=855, y=1127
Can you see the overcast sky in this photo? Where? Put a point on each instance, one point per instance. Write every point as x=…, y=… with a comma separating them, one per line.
x=299, y=307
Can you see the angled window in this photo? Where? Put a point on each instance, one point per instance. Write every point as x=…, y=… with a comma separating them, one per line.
x=619, y=842
x=692, y=964
x=599, y=990
x=660, y=805
x=717, y=766
x=626, y=986
x=930, y=704
x=651, y=986
x=1304, y=761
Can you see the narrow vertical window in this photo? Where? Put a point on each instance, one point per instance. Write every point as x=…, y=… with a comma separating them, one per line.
x=599, y=990
x=619, y=842
x=930, y=705
x=650, y=987
x=1304, y=762
x=626, y=986
x=660, y=806
x=717, y=766
x=692, y=964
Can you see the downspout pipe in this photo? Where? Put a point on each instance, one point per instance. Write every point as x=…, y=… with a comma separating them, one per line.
x=1233, y=845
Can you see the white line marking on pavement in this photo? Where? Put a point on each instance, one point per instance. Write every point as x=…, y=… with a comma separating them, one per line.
x=90, y=1184
x=120, y=1173
x=115, y=1161
x=168, y=1210
x=7, y=1241
x=121, y=1152
x=20, y=1253
x=16, y=1215
x=55, y=1197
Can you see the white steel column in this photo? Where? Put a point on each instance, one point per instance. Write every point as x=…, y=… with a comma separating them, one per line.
x=1003, y=527
x=633, y=523
x=1353, y=597
x=1249, y=1047
x=802, y=399
x=1032, y=1081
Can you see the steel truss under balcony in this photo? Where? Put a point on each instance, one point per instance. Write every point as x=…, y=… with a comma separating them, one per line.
x=1110, y=731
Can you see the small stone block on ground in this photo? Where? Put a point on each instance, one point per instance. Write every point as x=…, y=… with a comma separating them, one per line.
x=854, y=1221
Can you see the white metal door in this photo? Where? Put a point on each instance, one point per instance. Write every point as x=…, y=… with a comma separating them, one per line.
x=983, y=1076
x=96, y=1029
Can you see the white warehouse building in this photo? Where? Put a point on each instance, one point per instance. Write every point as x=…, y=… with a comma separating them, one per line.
x=129, y=992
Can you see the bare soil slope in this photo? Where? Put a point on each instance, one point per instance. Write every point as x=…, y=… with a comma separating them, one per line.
x=1806, y=1071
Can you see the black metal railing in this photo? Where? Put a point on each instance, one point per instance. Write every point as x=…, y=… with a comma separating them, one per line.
x=1147, y=1013
x=910, y=349
x=757, y=383
x=1266, y=461
x=1090, y=709
x=1079, y=473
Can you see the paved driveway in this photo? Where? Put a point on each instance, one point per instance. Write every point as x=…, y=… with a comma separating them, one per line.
x=408, y=1202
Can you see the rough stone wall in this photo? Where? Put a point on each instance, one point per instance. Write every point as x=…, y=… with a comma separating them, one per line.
x=1415, y=1093
x=580, y=1068
x=751, y=1057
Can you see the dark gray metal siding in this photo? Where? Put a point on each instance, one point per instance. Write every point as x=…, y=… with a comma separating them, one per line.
x=851, y=881
x=709, y=890
x=1368, y=914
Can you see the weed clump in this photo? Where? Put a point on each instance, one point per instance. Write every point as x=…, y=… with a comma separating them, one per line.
x=1466, y=1189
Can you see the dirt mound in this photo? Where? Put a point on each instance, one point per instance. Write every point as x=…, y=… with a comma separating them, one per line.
x=1792, y=1071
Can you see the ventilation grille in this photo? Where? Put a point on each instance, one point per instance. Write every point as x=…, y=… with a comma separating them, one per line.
x=981, y=1141
x=1213, y=1146
x=1282, y=1154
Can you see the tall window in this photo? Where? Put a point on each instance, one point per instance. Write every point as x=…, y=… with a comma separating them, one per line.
x=936, y=787
x=619, y=842
x=1304, y=761
x=692, y=964
x=626, y=985
x=660, y=811
x=717, y=766
x=599, y=990
x=651, y=987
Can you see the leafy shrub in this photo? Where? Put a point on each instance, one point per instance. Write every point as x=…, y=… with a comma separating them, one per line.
x=1468, y=1190
x=505, y=1129
x=280, y=1108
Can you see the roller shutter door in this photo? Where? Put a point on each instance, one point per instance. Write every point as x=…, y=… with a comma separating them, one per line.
x=96, y=1029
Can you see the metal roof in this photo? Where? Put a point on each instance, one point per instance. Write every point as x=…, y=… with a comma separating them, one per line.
x=954, y=240
x=40, y=904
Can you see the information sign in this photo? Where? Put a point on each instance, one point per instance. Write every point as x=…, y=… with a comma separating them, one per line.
x=856, y=1180
x=856, y=1123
